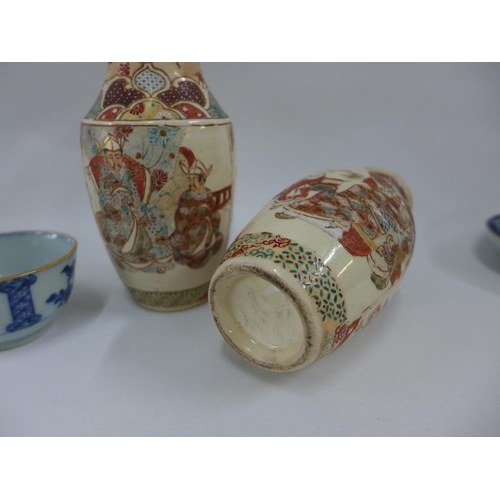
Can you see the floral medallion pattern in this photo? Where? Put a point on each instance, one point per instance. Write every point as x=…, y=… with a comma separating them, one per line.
x=146, y=91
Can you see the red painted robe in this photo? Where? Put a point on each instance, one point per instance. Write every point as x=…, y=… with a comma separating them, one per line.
x=137, y=171
x=196, y=237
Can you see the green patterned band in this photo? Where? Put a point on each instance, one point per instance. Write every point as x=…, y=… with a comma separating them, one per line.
x=169, y=301
x=314, y=276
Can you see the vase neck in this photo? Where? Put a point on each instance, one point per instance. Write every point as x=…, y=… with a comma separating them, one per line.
x=172, y=70
x=146, y=91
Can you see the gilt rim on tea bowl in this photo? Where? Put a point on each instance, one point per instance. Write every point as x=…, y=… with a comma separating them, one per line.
x=39, y=232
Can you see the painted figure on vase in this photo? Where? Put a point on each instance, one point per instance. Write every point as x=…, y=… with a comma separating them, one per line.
x=124, y=187
x=197, y=220
x=365, y=211
x=141, y=231
x=164, y=225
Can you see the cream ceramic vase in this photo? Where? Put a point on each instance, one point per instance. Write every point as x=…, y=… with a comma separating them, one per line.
x=159, y=167
x=314, y=267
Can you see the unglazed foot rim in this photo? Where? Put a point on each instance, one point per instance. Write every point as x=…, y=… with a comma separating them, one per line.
x=242, y=340
x=170, y=301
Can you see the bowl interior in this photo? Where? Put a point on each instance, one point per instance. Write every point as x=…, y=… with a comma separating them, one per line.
x=27, y=251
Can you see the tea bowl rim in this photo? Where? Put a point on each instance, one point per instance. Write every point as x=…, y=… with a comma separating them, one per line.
x=40, y=232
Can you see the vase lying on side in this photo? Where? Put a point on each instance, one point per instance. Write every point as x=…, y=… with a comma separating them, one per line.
x=159, y=165
x=314, y=267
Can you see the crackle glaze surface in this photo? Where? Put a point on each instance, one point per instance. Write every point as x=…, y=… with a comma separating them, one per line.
x=338, y=242
x=159, y=164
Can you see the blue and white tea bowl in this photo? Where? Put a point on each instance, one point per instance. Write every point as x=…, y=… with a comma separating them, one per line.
x=36, y=277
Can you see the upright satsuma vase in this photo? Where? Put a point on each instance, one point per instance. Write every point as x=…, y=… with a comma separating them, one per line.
x=159, y=165
x=314, y=266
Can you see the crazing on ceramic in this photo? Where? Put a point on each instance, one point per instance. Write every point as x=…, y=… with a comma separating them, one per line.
x=158, y=157
x=336, y=244
x=29, y=301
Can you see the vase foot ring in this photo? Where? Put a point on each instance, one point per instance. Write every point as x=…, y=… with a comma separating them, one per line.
x=170, y=301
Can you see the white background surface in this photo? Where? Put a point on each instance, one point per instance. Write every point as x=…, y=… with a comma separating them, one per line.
x=429, y=364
